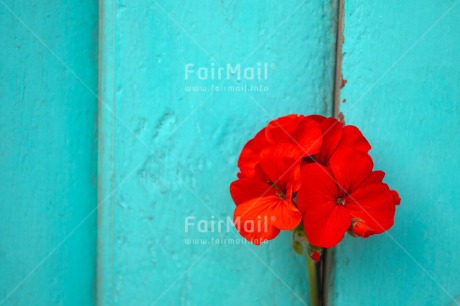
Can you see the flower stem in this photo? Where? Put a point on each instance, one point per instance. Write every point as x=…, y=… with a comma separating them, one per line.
x=312, y=267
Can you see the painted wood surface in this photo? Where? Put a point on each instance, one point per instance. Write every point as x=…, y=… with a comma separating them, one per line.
x=167, y=153
x=168, y=147
x=403, y=85
x=48, y=169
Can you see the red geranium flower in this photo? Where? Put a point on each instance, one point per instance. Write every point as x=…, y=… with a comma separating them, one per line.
x=302, y=132
x=264, y=201
x=345, y=195
x=270, y=175
x=337, y=137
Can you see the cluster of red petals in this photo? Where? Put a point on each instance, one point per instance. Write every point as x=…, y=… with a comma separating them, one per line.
x=315, y=170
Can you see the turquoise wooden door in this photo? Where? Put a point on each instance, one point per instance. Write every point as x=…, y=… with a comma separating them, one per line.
x=401, y=64
x=48, y=152
x=119, y=139
x=169, y=152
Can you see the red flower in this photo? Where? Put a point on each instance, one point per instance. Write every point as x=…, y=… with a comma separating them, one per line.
x=345, y=195
x=270, y=175
x=322, y=164
x=264, y=201
x=302, y=132
x=337, y=137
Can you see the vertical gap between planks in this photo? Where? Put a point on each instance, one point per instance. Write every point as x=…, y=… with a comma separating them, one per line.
x=99, y=270
x=338, y=56
x=329, y=254
x=106, y=151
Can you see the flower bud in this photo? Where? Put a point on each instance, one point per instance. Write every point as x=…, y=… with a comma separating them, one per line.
x=314, y=252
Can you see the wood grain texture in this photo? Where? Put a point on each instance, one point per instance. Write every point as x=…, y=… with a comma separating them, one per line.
x=167, y=153
x=401, y=64
x=48, y=169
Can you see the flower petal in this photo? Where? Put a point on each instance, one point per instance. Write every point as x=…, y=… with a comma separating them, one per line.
x=281, y=129
x=318, y=187
x=396, y=198
x=332, y=134
x=308, y=137
x=350, y=168
x=281, y=164
x=325, y=222
x=375, y=177
x=317, y=118
x=245, y=189
x=287, y=215
x=353, y=139
x=251, y=232
x=372, y=205
x=361, y=228
x=252, y=219
x=326, y=225
x=261, y=213
x=250, y=155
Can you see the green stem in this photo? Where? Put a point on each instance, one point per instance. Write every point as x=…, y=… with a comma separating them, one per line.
x=313, y=281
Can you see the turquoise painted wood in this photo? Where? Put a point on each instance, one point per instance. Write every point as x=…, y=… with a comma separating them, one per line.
x=48, y=168
x=401, y=63
x=168, y=143
x=167, y=153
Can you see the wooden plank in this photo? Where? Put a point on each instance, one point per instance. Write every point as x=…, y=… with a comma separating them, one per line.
x=48, y=152
x=403, y=84
x=167, y=153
